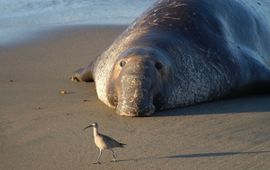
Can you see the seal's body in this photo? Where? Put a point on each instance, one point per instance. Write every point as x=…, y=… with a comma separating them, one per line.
x=183, y=52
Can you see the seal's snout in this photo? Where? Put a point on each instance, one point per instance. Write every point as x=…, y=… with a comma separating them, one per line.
x=136, y=97
x=136, y=93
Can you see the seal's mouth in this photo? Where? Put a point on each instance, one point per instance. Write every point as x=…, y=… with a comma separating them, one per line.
x=131, y=111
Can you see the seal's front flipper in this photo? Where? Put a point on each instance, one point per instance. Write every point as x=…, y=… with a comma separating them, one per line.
x=83, y=74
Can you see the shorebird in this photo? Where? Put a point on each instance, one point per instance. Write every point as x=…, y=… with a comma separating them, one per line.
x=104, y=142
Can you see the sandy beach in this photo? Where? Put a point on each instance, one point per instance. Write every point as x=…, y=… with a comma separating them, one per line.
x=40, y=128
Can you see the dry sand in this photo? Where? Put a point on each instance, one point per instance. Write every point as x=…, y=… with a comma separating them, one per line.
x=42, y=129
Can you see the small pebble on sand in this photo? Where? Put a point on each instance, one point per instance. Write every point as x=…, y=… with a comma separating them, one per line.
x=38, y=108
x=63, y=92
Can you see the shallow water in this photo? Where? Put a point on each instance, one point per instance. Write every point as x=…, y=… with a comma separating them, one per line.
x=20, y=19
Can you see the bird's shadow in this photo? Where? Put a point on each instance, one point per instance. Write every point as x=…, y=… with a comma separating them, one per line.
x=227, y=106
x=197, y=155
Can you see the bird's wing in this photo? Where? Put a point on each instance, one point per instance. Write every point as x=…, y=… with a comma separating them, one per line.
x=112, y=142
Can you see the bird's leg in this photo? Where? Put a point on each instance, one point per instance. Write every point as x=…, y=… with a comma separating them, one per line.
x=100, y=153
x=114, y=157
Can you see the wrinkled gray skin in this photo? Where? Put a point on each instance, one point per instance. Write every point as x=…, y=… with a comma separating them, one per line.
x=183, y=52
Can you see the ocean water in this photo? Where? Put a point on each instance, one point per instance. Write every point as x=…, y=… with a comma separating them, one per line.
x=20, y=18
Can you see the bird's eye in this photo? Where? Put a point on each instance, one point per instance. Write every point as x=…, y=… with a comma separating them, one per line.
x=122, y=63
x=158, y=66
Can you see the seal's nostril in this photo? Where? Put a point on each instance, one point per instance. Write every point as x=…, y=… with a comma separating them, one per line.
x=158, y=66
x=122, y=63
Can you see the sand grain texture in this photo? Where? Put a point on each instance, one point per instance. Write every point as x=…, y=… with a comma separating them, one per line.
x=42, y=129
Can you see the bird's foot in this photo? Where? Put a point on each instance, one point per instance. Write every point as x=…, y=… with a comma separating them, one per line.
x=114, y=160
x=96, y=162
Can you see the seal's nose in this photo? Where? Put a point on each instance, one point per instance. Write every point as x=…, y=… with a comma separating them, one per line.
x=136, y=97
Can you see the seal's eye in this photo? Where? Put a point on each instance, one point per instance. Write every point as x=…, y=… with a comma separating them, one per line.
x=122, y=63
x=158, y=66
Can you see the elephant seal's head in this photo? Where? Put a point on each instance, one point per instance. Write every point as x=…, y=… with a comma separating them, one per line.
x=138, y=80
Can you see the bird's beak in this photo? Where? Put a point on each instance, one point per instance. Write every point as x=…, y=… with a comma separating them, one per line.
x=87, y=127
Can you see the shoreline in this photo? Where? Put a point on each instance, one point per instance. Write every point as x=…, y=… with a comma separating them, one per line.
x=40, y=33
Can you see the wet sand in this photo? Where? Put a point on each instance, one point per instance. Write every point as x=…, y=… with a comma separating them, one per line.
x=40, y=128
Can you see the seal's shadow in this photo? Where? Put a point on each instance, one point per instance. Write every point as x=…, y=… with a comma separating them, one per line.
x=228, y=106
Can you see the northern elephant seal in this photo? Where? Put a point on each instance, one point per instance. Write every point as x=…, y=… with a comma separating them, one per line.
x=183, y=52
